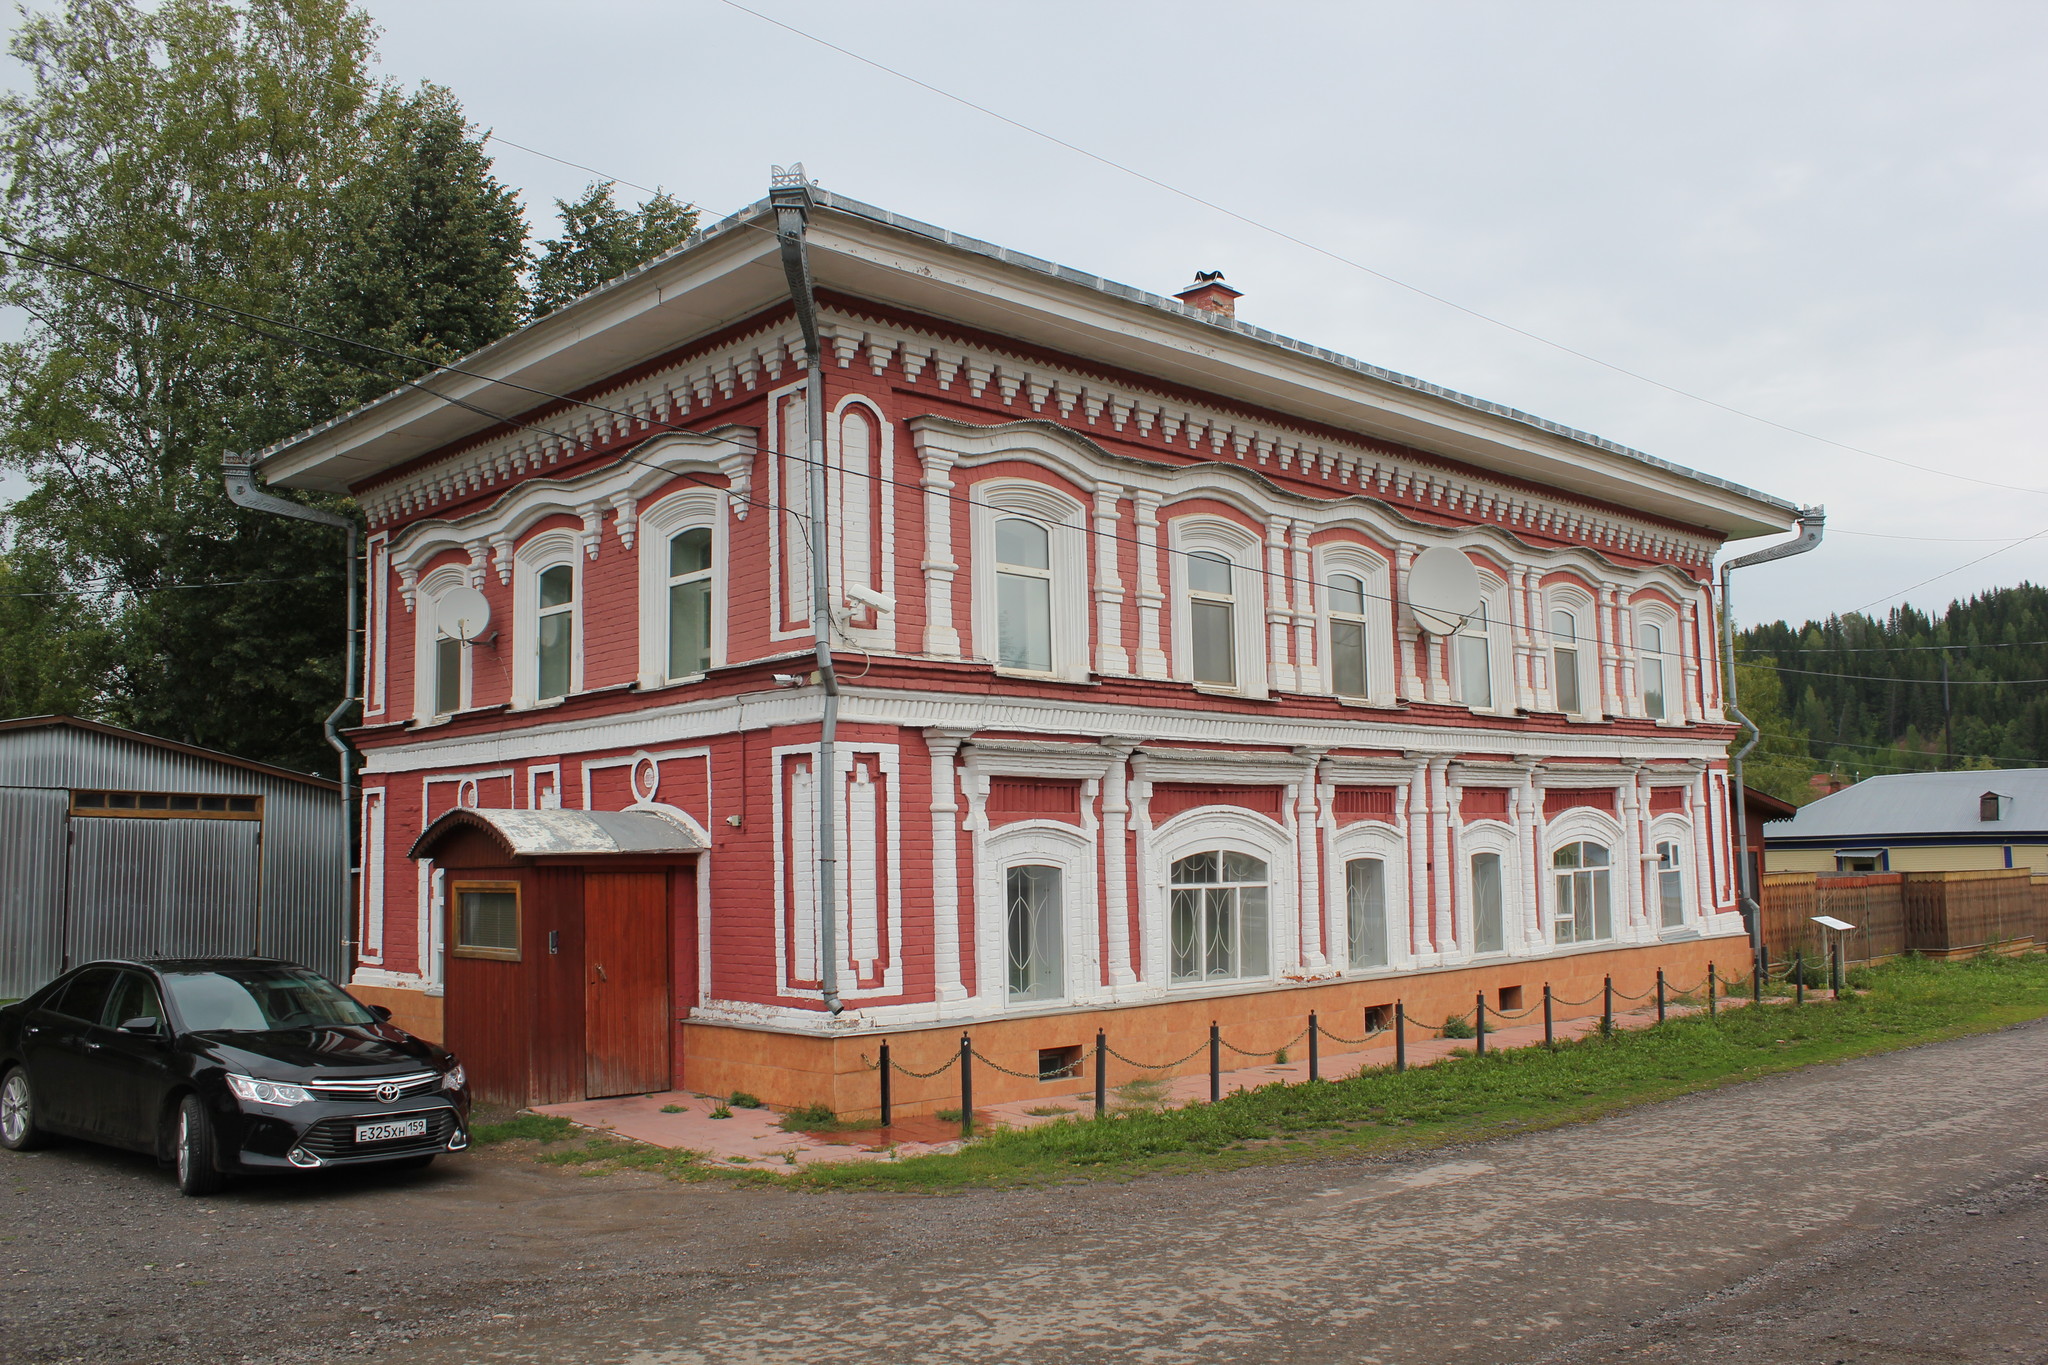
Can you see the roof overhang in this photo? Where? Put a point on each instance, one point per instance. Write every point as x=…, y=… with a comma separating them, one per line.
x=571, y=833
x=731, y=271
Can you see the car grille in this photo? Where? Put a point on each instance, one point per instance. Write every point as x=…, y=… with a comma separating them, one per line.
x=411, y=1083
x=335, y=1139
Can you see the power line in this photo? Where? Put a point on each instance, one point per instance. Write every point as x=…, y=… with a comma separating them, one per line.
x=110, y=589
x=1889, y=597
x=1342, y=259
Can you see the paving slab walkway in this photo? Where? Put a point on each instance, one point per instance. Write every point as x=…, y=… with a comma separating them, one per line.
x=683, y=1120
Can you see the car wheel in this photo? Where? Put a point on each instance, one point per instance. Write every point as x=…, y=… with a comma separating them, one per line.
x=18, y=1131
x=193, y=1149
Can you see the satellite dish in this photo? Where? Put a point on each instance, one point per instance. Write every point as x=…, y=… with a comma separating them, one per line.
x=462, y=614
x=1443, y=589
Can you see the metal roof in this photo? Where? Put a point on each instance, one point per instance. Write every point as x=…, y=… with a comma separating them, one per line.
x=168, y=745
x=569, y=833
x=1921, y=804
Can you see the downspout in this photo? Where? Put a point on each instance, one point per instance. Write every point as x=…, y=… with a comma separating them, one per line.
x=1812, y=522
x=240, y=477
x=790, y=193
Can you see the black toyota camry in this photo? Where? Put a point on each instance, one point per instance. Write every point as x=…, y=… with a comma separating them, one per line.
x=219, y=1065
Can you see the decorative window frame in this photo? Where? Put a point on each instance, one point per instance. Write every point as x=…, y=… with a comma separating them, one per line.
x=1230, y=829
x=1376, y=572
x=453, y=900
x=1581, y=603
x=425, y=651
x=1493, y=594
x=1388, y=843
x=1665, y=619
x=661, y=521
x=1040, y=843
x=1187, y=534
x=1066, y=520
x=538, y=553
x=1582, y=824
x=1490, y=836
x=1672, y=829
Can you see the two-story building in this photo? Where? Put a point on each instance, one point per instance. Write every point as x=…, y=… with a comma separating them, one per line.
x=1137, y=726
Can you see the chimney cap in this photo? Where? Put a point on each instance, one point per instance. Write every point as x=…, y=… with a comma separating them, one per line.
x=1210, y=294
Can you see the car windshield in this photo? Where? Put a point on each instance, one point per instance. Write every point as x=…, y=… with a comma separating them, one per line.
x=260, y=1000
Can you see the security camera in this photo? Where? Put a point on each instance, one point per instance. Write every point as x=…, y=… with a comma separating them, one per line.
x=880, y=601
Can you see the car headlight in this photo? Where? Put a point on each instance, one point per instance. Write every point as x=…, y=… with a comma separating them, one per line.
x=456, y=1079
x=268, y=1092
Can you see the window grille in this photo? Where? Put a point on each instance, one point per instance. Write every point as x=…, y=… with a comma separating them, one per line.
x=1219, y=915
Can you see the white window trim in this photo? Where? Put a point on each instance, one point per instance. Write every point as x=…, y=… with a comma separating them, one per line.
x=1584, y=825
x=1067, y=541
x=539, y=553
x=1490, y=836
x=1672, y=829
x=1493, y=593
x=1373, y=570
x=660, y=522
x=1227, y=829
x=1194, y=532
x=1371, y=839
x=1580, y=604
x=1666, y=621
x=1038, y=843
x=425, y=636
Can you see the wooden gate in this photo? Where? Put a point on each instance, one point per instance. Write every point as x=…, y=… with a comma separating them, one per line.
x=626, y=993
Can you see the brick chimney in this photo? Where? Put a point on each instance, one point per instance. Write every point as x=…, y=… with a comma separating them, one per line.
x=1211, y=294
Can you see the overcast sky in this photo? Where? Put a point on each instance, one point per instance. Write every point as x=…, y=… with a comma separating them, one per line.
x=1831, y=216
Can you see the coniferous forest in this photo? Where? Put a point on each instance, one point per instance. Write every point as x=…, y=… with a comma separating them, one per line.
x=1859, y=696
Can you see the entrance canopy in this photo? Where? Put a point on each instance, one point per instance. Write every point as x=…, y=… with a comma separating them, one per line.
x=569, y=833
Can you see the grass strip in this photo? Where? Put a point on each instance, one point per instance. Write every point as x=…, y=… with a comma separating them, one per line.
x=1460, y=1099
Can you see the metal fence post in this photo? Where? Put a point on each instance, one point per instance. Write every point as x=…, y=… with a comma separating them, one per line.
x=887, y=1088
x=966, y=1087
x=1713, y=980
x=1215, y=1062
x=1315, y=1054
x=1479, y=1015
x=1607, y=1005
x=1835, y=969
x=1758, y=972
x=1799, y=978
x=1660, y=995
x=1400, y=1037
x=1101, y=1072
x=1549, y=1029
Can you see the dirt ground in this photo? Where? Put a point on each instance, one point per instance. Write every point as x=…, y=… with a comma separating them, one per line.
x=1893, y=1209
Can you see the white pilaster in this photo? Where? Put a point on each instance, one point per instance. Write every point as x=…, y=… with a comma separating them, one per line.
x=941, y=638
x=1110, y=654
x=944, y=745
x=1151, y=596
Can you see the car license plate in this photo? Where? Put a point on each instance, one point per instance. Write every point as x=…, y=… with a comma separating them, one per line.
x=386, y=1132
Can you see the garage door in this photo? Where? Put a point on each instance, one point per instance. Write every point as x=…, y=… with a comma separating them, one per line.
x=163, y=888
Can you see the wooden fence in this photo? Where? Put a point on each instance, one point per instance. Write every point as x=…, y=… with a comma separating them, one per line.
x=1940, y=914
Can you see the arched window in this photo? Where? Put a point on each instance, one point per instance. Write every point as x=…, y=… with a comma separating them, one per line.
x=1671, y=884
x=1365, y=911
x=1489, y=927
x=1023, y=595
x=1219, y=917
x=1584, y=912
x=555, y=636
x=1650, y=645
x=1211, y=621
x=1475, y=660
x=689, y=603
x=1564, y=653
x=1032, y=932
x=442, y=685
x=1347, y=635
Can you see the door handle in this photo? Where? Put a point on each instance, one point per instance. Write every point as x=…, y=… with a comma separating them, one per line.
x=91, y=1046
x=599, y=968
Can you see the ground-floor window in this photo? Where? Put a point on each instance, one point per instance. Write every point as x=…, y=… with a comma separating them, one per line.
x=1219, y=917
x=1585, y=906
x=1489, y=931
x=1365, y=911
x=1032, y=895
x=1670, y=885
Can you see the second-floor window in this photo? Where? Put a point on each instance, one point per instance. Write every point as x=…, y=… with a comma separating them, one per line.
x=555, y=637
x=1212, y=625
x=1650, y=639
x=689, y=603
x=1347, y=635
x=1023, y=595
x=1564, y=651
x=447, y=675
x=1474, y=643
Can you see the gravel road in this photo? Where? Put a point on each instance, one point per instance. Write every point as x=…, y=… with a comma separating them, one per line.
x=1893, y=1209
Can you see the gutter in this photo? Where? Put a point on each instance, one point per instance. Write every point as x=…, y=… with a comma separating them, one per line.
x=793, y=199
x=1812, y=524
x=240, y=477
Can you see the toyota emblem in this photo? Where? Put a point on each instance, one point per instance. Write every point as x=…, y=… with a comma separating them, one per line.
x=387, y=1092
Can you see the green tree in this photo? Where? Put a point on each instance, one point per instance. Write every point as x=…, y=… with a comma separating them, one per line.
x=1779, y=764
x=53, y=639
x=601, y=241
x=237, y=153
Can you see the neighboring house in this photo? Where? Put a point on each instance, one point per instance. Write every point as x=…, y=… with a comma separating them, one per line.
x=120, y=844
x=1760, y=808
x=1136, y=726
x=1919, y=822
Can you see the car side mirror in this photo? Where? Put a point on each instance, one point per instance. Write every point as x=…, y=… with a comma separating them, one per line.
x=144, y=1024
x=383, y=1013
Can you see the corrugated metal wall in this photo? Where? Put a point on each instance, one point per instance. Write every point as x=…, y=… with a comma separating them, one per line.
x=291, y=884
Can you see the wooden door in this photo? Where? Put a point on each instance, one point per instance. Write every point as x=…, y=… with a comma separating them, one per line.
x=626, y=996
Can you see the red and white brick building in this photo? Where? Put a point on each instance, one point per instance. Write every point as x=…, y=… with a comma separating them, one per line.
x=1148, y=735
